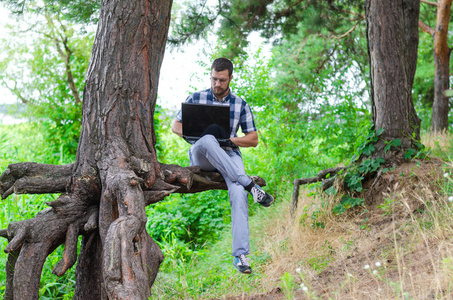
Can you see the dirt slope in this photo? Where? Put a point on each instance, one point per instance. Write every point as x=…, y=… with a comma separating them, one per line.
x=398, y=246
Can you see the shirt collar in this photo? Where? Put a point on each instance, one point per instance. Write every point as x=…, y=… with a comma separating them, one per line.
x=225, y=99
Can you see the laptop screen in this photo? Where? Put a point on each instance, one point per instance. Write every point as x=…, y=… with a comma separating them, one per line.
x=197, y=117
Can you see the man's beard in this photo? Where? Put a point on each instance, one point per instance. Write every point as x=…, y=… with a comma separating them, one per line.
x=218, y=91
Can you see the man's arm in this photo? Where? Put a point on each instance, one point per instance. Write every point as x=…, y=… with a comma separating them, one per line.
x=176, y=127
x=250, y=139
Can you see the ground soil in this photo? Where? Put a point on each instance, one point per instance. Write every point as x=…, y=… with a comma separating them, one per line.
x=384, y=230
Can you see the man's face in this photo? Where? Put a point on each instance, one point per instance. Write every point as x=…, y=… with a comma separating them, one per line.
x=220, y=83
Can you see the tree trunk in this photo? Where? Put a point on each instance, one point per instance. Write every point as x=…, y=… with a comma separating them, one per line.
x=116, y=149
x=439, y=120
x=392, y=34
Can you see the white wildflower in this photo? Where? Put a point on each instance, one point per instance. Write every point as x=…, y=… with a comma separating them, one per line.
x=366, y=267
x=450, y=198
x=298, y=270
x=305, y=289
x=375, y=272
x=446, y=174
x=350, y=275
x=377, y=264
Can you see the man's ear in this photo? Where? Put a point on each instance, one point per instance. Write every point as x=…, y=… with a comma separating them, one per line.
x=231, y=77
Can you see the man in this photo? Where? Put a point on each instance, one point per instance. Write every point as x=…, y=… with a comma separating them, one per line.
x=210, y=156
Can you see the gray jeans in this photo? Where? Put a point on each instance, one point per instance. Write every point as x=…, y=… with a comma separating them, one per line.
x=208, y=154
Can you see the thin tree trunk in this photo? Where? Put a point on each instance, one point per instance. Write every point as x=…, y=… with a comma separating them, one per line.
x=439, y=120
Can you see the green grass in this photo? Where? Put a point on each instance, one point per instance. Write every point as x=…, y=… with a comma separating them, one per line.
x=211, y=274
x=21, y=143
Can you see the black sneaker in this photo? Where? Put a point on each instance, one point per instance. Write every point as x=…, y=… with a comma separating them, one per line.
x=261, y=197
x=241, y=263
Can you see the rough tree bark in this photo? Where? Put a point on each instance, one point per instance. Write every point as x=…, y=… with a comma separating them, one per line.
x=115, y=175
x=392, y=35
x=441, y=53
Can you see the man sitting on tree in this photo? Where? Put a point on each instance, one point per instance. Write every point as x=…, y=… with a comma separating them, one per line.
x=210, y=156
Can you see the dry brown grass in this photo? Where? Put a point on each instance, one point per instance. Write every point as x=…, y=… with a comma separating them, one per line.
x=409, y=233
x=438, y=141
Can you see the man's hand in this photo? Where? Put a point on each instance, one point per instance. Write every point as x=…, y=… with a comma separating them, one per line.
x=250, y=139
x=176, y=127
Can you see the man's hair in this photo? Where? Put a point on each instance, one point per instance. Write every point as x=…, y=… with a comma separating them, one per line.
x=221, y=64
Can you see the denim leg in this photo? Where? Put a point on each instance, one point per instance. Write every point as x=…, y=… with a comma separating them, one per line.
x=208, y=154
x=239, y=213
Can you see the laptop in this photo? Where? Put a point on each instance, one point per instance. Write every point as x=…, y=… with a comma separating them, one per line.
x=197, y=117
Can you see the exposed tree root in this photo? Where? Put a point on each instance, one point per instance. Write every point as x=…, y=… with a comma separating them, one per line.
x=326, y=183
x=32, y=240
x=34, y=178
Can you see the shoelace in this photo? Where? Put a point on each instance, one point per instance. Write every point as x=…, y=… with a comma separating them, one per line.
x=259, y=194
x=244, y=260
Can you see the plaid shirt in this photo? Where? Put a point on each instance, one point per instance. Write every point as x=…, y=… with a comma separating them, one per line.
x=240, y=112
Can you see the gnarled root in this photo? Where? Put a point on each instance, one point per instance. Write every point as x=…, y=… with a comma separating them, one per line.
x=131, y=259
x=32, y=240
x=34, y=178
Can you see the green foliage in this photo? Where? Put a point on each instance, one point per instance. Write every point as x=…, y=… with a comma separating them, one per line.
x=193, y=219
x=191, y=21
x=365, y=144
x=419, y=152
x=272, y=19
x=347, y=203
x=78, y=11
x=45, y=69
x=316, y=212
x=393, y=143
x=321, y=258
x=357, y=172
x=388, y=205
x=370, y=165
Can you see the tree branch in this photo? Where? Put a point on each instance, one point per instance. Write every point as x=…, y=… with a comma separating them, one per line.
x=429, y=2
x=65, y=55
x=34, y=178
x=16, y=92
x=425, y=28
x=347, y=32
x=199, y=180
